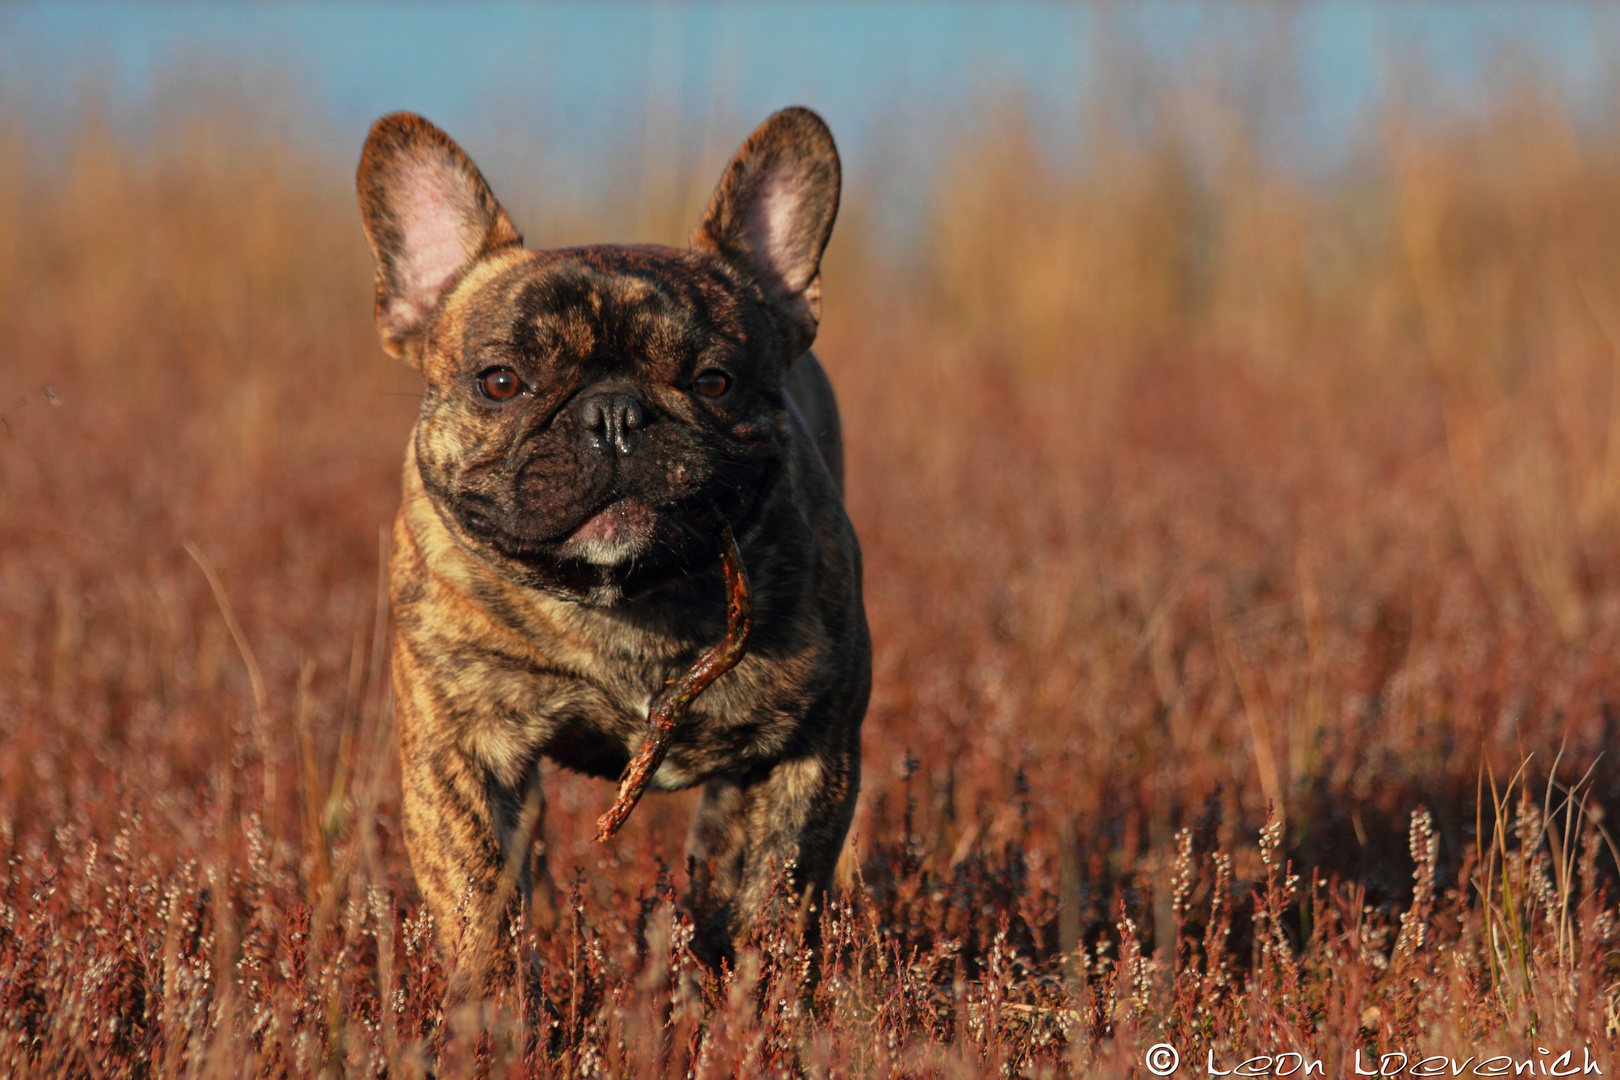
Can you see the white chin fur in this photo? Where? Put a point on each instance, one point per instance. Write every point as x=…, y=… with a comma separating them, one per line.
x=607, y=552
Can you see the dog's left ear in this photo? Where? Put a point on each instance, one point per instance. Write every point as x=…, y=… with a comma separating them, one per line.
x=772, y=214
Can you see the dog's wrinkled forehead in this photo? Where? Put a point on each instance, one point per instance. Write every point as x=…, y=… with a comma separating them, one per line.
x=595, y=311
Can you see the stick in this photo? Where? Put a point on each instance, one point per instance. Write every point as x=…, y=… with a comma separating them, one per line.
x=669, y=710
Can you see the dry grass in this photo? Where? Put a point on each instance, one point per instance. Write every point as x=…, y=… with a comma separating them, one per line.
x=1186, y=487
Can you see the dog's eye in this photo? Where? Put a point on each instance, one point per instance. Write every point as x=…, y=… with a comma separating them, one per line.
x=711, y=384
x=500, y=384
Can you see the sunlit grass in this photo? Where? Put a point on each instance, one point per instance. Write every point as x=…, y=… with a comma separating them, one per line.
x=1241, y=557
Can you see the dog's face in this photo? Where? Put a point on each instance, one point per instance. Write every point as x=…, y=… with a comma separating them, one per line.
x=593, y=414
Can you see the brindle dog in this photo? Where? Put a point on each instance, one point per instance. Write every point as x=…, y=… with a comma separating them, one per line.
x=593, y=418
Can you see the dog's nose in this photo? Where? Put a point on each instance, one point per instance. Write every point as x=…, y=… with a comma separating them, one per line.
x=610, y=418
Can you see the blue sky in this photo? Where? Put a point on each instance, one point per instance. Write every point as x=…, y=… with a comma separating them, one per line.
x=582, y=80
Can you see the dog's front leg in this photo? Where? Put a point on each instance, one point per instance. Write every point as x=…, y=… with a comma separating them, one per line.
x=469, y=835
x=749, y=828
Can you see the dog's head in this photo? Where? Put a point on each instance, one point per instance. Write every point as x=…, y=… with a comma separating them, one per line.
x=592, y=414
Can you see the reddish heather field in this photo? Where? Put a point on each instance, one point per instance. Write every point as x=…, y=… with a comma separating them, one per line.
x=1243, y=565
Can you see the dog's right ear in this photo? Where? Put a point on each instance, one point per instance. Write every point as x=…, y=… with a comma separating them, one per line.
x=428, y=215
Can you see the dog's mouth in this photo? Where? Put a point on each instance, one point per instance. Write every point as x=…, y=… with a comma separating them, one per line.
x=617, y=533
x=619, y=530
x=625, y=546
x=624, y=521
x=618, y=523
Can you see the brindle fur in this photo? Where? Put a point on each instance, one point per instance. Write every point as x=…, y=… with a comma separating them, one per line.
x=510, y=646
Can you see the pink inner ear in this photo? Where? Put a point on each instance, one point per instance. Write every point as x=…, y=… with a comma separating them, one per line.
x=435, y=213
x=773, y=231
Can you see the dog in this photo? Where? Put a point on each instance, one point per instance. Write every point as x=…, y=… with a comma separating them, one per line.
x=593, y=418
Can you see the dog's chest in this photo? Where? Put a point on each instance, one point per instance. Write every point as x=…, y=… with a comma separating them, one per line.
x=587, y=686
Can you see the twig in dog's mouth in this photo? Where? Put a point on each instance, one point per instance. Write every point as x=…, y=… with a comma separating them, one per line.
x=669, y=709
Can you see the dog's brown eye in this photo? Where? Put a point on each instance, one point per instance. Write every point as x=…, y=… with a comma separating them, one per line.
x=500, y=384
x=712, y=384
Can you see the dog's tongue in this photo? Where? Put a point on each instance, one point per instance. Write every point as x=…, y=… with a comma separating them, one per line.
x=627, y=517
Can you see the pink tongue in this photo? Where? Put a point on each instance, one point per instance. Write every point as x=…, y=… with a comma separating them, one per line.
x=627, y=517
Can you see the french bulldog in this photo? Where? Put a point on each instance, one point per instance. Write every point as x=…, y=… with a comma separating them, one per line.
x=593, y=417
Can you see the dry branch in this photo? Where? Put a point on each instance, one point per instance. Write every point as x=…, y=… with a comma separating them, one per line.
x=670, y=709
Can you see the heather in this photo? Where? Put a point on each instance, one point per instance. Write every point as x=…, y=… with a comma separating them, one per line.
x=1243, y=563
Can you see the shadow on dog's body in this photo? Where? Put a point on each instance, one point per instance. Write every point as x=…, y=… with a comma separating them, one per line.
x=553, y=561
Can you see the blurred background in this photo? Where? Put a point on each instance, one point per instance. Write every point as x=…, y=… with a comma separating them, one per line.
x=1231, y=395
